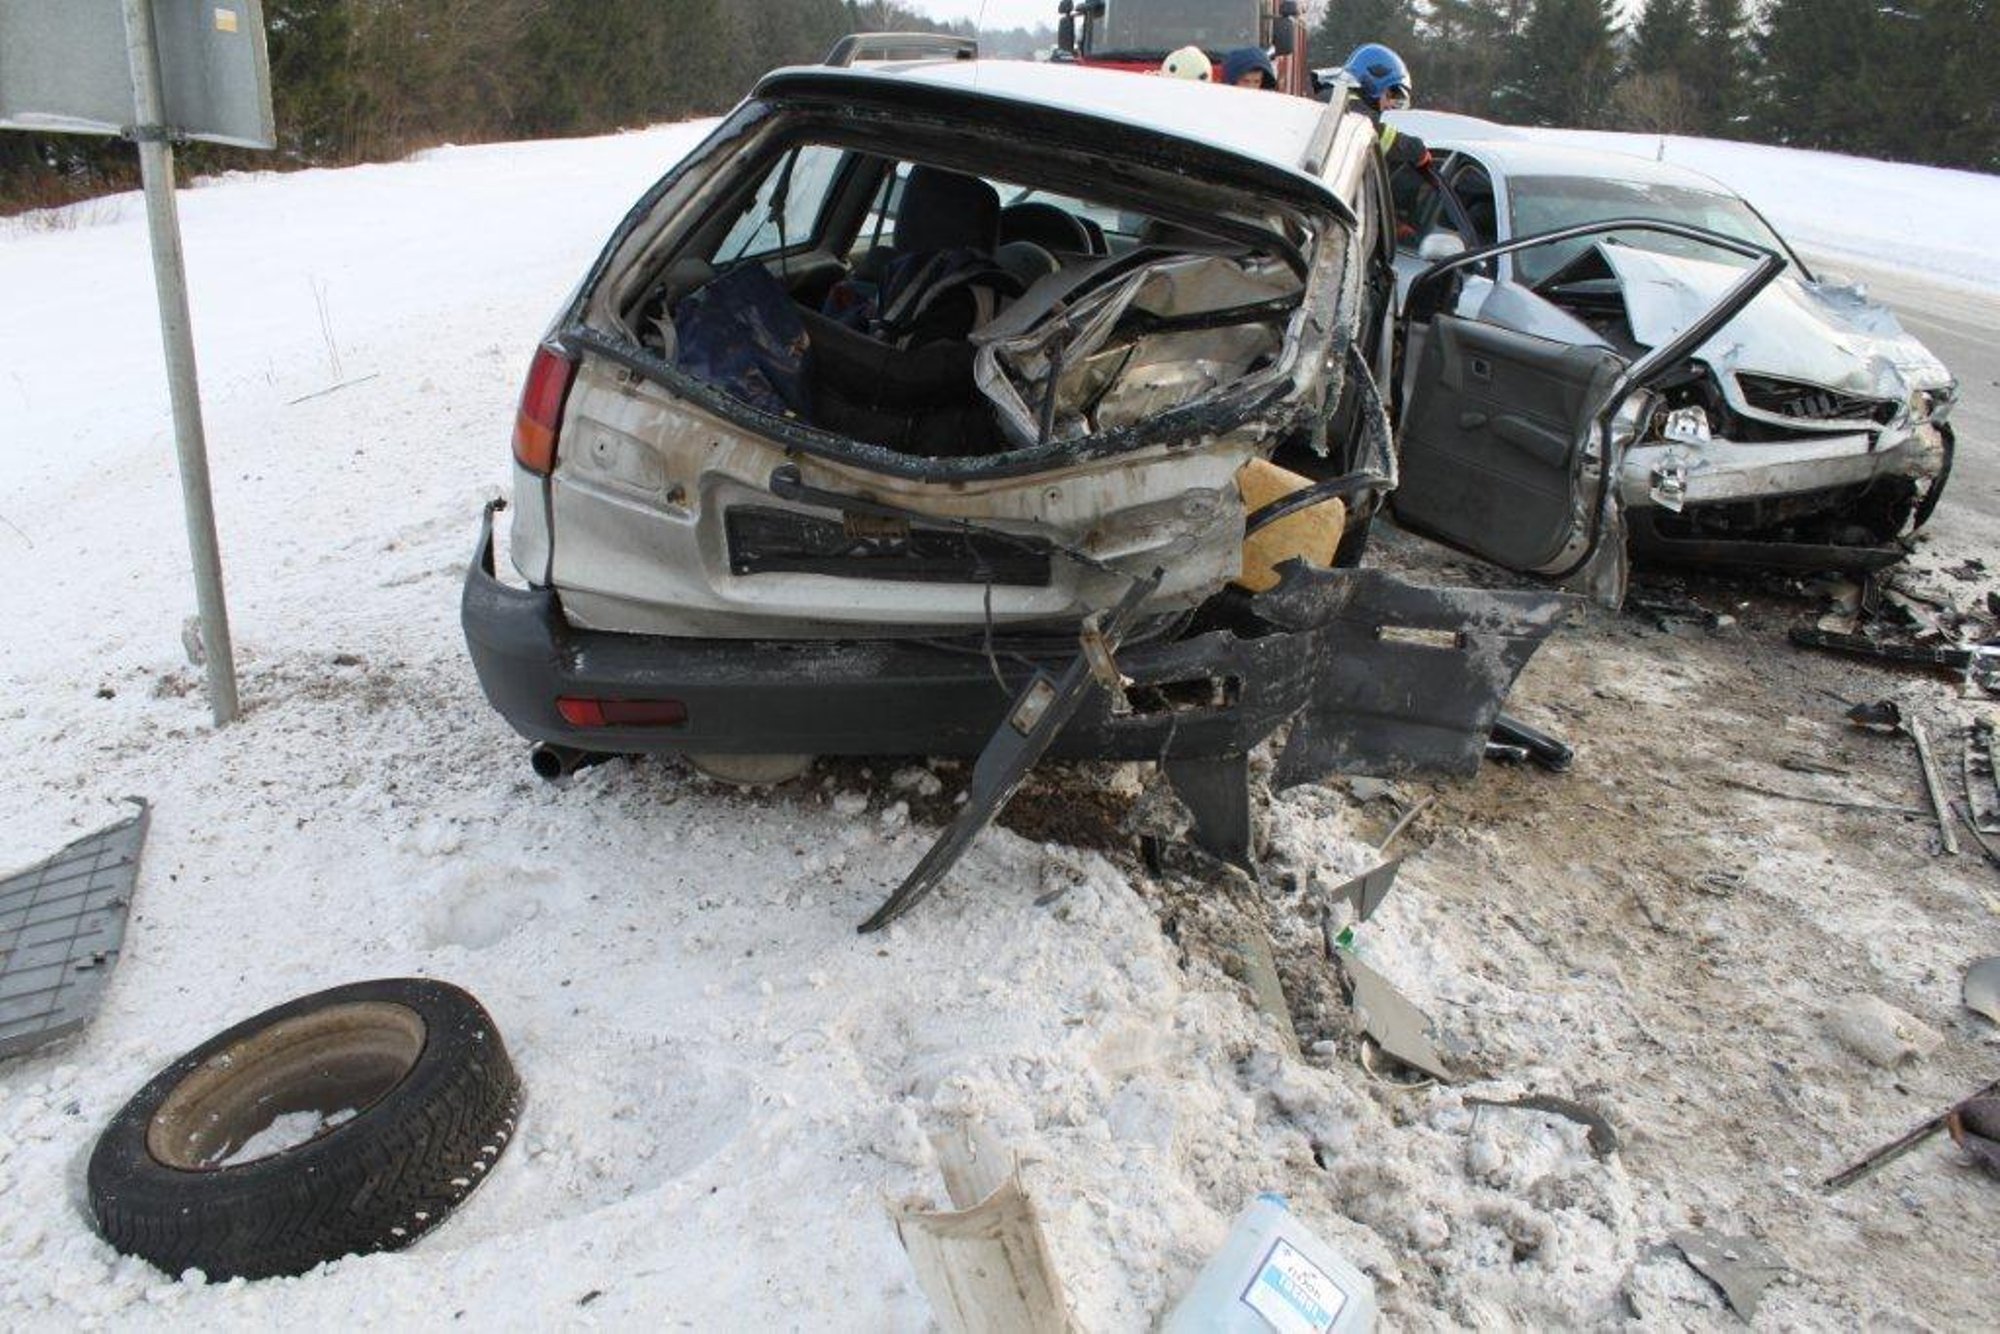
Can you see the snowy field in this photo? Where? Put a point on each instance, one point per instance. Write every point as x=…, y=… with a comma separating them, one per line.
x=726, y=1085
x=1928, y=219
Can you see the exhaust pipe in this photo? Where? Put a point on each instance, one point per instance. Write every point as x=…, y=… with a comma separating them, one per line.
x=551, y=762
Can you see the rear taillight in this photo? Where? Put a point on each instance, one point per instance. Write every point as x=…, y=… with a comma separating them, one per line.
x=540, y=417
x=582, y=711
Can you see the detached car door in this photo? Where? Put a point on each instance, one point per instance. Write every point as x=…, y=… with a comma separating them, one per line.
x=1513, y=429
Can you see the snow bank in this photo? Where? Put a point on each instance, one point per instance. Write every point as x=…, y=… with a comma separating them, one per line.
x=1928, y=220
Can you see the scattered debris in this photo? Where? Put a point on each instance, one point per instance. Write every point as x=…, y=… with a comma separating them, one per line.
x=1249, y=959
x=1880, y=1033
x=1603, y=1139
x=1409, y=818
x=1545, y=750
x=1272, y=1273
x=1741, y=1268
x=1884, y=714
x=64, y=922
x=1981, y=989
x=1934, y=785
x=1386, y=1016
x=1979, y=838
x=1982, y=785
x=1975, y=1127
x=332, y=389
x=1895, y=619
x=1718, y=884
x=984, y=1264
x=1367, y=890
x=1978, y=664
x=1838, y=803
x=1902, y=1144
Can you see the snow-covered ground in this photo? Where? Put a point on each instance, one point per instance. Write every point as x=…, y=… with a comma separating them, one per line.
x=726, y=1085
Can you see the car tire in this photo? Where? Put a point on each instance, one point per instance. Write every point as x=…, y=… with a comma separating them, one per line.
x=433, y=1098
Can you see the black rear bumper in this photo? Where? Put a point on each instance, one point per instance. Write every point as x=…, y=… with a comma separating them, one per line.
x=846, y=697
x=1368, y=702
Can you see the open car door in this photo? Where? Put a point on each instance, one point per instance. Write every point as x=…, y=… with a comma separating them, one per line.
x=1511, y=441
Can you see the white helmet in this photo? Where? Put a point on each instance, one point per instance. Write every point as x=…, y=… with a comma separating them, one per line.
x=1187, y=63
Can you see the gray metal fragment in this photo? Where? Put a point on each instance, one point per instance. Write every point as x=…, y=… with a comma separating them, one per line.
x=1409, y=679
x=1367, y=890
x=1740, y=1267
x=1386, y=1015
x=1981, y=989
x=1603, y=1139
x=61, y=926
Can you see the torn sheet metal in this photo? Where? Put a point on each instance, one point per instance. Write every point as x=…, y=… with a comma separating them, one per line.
x=1383, y=1013
x=1740, y=1267
x=62, y=924
x=1380, y=677
x=1038, y=713
x=1123, y=382
x=1793, y=330
x=1365, y=892
x=1408, y=679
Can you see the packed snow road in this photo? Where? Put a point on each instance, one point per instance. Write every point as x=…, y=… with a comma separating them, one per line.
x=725, y=1085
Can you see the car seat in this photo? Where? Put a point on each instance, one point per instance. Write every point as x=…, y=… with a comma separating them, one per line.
x=943, y=279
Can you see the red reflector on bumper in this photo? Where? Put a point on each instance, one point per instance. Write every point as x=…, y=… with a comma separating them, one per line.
x=578, y=711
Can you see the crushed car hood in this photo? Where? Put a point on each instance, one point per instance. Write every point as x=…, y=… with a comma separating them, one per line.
x=1795, y=330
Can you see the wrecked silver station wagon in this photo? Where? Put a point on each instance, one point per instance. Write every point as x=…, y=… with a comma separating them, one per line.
x=935, y=403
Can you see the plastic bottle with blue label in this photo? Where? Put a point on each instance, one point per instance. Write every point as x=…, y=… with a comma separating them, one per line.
x=1272, y=1274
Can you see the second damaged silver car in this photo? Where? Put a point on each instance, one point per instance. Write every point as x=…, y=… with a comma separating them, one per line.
x=1811, y=432
x=929, y=408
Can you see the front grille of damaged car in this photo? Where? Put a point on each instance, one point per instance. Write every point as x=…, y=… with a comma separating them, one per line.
x=768, y=540
x=1811, y=402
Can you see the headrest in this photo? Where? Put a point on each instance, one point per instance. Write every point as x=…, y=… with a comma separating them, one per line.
x=944, y=210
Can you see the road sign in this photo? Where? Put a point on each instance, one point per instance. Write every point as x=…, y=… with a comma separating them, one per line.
x=155, y=71
x=63, y=68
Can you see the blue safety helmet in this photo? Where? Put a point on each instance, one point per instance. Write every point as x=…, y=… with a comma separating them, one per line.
x=1377, y=70
x=1249, y=60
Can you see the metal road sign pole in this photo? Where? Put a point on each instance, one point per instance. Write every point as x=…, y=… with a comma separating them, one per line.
x=156, y=166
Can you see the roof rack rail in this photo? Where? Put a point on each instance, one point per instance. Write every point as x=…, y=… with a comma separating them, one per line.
x=859, y=46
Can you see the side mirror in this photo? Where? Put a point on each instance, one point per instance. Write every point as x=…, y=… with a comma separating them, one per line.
x=1281, y=35
x=1440, y=246
x=1066, y=31
x=1288, y=9
x=1095, y=9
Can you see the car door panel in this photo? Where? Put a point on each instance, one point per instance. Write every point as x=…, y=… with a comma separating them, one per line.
x=1509, y=439
x=1493, y=438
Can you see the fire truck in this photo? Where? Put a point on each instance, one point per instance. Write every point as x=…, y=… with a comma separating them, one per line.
x=1138, y=34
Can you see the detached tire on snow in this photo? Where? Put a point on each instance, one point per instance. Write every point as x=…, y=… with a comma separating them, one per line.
x=433, y=1099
